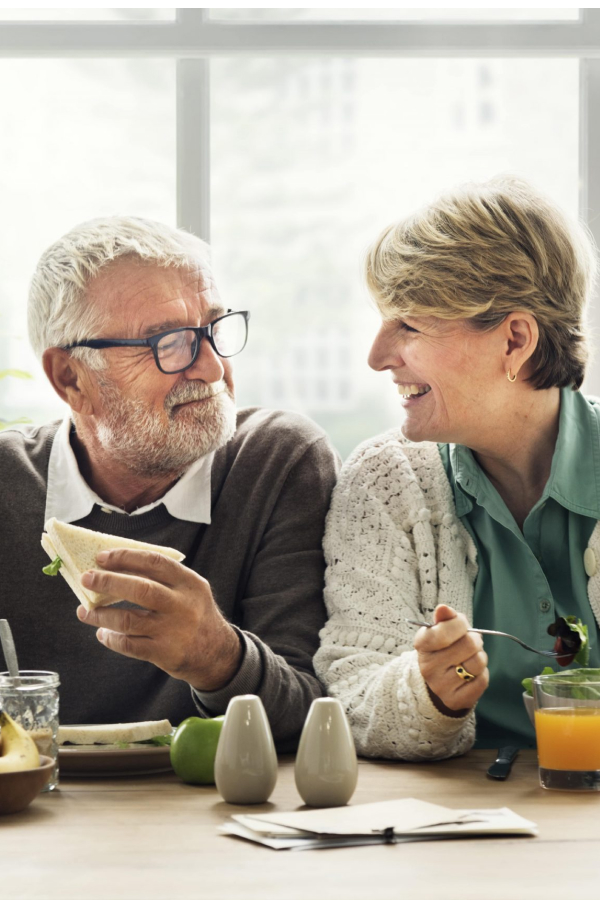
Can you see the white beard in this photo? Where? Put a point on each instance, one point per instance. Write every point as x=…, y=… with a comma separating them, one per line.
x=138, y=438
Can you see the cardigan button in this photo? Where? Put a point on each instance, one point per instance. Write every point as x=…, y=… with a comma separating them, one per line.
x=589, y=562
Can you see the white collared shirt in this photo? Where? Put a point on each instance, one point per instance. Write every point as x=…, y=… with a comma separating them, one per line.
x=70, y=498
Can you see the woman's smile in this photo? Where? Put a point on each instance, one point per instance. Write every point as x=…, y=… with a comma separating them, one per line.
x=412, y=392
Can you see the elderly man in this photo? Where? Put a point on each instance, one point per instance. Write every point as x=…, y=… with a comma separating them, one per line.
x=133, y=336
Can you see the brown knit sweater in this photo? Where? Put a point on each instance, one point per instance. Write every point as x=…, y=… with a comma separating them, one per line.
x=261, y=555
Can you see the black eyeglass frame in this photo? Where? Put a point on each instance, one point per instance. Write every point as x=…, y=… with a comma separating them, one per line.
x=201, y=331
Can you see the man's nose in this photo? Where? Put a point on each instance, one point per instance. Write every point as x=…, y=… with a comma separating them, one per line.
x=385, y=352
x=207, y=366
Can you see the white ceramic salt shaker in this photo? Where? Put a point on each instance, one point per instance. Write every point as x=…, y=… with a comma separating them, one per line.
x=326, y=768
x=246, y=761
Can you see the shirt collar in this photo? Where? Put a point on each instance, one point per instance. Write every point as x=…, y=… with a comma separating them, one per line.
x=467, y=476
x=575, y=474
x=574, y=480
x=69, y=497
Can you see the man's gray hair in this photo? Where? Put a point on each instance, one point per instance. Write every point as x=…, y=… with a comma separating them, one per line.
x=58, y=313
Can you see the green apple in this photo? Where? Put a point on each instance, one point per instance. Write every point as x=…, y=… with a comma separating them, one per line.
x=194, y=747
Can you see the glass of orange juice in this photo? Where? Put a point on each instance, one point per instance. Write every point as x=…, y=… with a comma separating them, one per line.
x=567, y=728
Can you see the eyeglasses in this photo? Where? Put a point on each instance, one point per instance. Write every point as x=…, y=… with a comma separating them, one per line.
x=177, y=350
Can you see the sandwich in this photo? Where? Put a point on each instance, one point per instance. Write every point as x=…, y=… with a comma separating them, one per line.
x=73, y=551
x=157, y=733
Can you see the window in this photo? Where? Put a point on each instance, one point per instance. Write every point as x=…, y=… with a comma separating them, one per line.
x=402, y=15
x=86, y=15
x=289, y=145
x=73, y=135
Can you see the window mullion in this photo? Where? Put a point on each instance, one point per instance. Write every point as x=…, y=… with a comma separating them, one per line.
x=192, y=18
x=193, y=146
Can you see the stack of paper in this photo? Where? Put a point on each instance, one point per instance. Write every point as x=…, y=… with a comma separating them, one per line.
x=391, y=821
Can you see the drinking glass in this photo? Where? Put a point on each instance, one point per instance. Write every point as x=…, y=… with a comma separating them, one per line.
x=567, y=728
x=33, y=703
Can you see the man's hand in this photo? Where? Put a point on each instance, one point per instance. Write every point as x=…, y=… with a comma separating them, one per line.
x=180, y=629
x=440, y=650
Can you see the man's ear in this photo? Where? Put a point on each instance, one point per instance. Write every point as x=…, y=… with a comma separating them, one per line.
x=522, y=334
x=68, y=377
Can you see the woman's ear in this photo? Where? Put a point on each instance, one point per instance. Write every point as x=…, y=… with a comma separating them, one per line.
x=522, y=334
x=69, y=379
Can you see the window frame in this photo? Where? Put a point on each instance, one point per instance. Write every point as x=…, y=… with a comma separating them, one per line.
x=192, y=39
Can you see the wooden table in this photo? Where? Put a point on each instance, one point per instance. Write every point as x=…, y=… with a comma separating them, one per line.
x=154, y=837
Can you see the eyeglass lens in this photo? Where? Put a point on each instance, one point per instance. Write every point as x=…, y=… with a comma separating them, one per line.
x=229, y=334
x=177, y=349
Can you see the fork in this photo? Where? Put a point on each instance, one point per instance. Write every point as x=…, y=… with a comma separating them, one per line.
x=552, y=654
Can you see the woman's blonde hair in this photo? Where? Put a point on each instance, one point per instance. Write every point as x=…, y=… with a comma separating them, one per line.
x=486, y=250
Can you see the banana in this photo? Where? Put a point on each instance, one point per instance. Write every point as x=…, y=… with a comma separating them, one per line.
x=18, y=749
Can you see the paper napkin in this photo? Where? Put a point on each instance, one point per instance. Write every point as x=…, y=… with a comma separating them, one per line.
x=390, y=821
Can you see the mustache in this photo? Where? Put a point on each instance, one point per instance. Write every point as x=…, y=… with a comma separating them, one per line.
x=193, y=390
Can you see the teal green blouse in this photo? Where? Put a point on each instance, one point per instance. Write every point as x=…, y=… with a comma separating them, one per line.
x=528, y=578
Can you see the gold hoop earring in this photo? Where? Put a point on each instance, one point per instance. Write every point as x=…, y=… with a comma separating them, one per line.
x=514, y=378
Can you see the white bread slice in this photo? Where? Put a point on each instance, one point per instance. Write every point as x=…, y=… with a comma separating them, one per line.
x=112, y=734
x=78, y=548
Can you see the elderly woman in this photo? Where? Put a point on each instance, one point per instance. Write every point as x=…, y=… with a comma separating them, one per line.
x=482, y=507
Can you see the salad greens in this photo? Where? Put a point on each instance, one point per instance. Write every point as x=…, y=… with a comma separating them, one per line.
x=572, y=640
x=53, y=567
x=576, y=676
x=528, y=682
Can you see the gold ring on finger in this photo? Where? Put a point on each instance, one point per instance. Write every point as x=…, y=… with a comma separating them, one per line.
x=464, y=674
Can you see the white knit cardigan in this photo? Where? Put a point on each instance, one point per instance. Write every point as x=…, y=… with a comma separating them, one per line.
x=395, y=548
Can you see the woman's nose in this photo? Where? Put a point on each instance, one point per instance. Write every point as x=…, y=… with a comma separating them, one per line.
x=385, y=352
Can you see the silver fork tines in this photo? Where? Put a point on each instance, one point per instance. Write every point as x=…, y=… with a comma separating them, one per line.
x=550, y=653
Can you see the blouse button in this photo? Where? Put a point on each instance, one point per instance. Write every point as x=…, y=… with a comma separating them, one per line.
x=589, y=562
x=545, y=605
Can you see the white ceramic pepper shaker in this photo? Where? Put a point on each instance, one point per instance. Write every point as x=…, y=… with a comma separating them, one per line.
x=326, y=768
x=246, y=761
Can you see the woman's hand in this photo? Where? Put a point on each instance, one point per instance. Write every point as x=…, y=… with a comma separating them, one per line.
x=441, y=649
